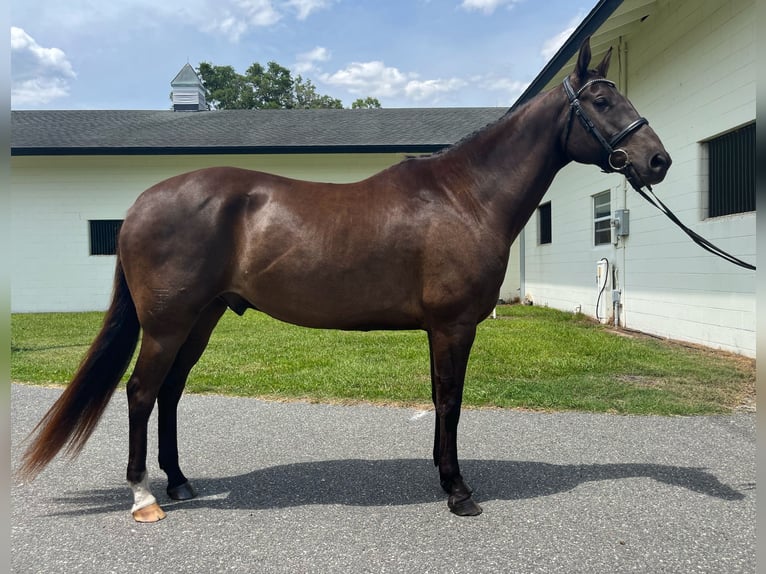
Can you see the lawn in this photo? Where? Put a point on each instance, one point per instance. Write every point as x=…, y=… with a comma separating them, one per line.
x=530, y=358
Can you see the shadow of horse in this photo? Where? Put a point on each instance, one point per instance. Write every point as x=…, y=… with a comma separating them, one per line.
x=356, y=482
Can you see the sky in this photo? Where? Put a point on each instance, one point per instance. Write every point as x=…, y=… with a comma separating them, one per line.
x=96, y=54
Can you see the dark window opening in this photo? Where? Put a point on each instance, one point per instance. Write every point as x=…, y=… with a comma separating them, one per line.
x=103, y=236
x=544, y=223
x=731, y=176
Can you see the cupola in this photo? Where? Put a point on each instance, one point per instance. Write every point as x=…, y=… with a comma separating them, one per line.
x=188, y=93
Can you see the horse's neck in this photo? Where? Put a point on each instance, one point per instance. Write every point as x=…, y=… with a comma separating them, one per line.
x=512, y=162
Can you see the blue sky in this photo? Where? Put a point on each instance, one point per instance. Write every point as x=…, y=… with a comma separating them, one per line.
x=95, y=54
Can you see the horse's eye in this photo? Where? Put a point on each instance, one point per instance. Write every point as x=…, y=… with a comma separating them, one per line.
x=601, y=103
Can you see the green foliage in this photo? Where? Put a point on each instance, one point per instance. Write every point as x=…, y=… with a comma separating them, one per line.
x=226, y=89
x=366, y=103
x=530, y=357
x=272, y=87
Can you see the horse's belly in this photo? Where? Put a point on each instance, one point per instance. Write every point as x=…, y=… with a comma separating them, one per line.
x=353, y=300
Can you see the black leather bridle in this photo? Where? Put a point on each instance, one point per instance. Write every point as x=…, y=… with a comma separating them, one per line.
x=619, y=161
x=618, y=158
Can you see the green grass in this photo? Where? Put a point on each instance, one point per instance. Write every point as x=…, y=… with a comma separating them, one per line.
x=531, y=358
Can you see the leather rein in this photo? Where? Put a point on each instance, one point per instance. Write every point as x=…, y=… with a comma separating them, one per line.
x=619, y=161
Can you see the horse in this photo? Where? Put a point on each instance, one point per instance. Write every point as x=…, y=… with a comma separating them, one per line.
x=421, y=245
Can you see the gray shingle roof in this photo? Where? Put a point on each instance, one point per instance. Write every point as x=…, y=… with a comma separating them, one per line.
x=241, y=131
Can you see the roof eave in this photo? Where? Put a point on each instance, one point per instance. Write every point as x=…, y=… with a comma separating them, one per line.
x=226, y=150
x=592, y=22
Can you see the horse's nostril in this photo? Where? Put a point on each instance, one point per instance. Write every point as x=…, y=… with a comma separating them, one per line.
x=660, y=162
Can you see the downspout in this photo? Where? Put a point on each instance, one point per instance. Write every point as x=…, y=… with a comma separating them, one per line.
x=618, y=310
x=522, y=269
x=622, y=52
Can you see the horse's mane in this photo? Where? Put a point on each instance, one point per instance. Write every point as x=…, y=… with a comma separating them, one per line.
x=474, y=134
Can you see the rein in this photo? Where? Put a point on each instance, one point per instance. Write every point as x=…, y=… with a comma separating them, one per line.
x=619, y=161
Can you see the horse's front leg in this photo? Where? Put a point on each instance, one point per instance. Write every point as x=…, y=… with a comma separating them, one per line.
x=437, y=439
x=450, y=348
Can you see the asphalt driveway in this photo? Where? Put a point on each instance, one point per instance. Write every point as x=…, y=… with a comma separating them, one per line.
x=295, y=487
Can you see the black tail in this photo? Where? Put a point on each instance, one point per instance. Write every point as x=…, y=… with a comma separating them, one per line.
x=74, y=416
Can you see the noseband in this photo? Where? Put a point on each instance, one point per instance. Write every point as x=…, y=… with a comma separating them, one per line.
x=618, y=158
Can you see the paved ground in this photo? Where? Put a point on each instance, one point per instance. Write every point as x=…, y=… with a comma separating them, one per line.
x=314, y=488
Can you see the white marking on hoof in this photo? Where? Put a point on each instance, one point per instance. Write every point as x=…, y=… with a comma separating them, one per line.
x=142, y=495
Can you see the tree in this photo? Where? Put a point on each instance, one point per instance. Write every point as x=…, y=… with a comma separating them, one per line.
x=306, y=96
x=226, y=90
x=272, y=87
x=366, y=103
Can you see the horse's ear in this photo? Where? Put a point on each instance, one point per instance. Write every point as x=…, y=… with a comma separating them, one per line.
x=603, y=67
x=583, y=60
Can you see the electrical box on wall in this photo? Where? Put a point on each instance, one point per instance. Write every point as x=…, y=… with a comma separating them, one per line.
x=622, y=222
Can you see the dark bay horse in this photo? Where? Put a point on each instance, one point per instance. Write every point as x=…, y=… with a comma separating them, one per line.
x=422, y=245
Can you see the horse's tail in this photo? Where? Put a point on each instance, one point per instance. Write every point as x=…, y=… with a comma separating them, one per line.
x=74, y=416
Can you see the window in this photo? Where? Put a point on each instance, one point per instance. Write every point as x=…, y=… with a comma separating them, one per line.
x=731, y=172
x=544, y=223
x=602, y=215
x=103, y=236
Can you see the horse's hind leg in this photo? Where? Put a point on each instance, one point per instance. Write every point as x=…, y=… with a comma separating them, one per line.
x=154, y=361
x=170, y=394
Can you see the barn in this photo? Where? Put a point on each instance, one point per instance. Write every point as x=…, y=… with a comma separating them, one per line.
x=593, y=246
x=597, y=247
x=75, y=173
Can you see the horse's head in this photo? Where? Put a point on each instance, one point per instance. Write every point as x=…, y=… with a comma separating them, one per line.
x=603, y=128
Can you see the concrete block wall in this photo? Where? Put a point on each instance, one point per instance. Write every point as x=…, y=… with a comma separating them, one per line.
x=691, y=71
x=53, y=198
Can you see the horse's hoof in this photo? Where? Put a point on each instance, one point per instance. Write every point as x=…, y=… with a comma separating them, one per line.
x=463, y=506
x=151, y=513
x=183, y=491
x=448, y=486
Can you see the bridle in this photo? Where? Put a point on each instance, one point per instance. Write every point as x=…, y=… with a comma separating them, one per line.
x=619, y=161
x=618, y=158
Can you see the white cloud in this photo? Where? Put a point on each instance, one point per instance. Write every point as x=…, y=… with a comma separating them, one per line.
x=228, y=26
x=486, y=6
x=369, y=78
x=304, y=8
x=230, y=19
x=430, y=89
x=39, y=75
x=38, y=91
x=235, y=18
x=552, y=45
x=52, y=58
x=509, y=89
x=259, y=12
x=377, y=80
x=306, y=62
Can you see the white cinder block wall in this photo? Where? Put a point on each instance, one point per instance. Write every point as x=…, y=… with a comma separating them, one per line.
x=691, y=71
x=53, y=198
